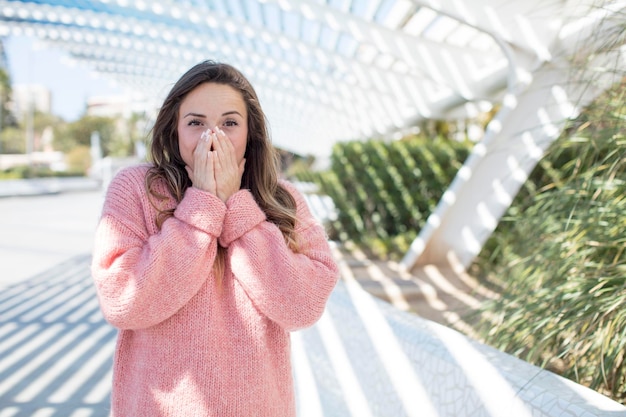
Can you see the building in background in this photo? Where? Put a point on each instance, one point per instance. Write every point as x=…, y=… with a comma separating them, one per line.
x=116, y=106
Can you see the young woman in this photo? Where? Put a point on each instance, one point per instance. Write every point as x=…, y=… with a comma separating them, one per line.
x=206, y=261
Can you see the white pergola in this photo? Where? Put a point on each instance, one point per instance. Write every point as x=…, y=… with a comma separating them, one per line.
x=334, y=70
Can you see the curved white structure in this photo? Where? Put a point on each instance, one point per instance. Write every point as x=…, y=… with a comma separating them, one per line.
x=335, y=70
x=547, y=87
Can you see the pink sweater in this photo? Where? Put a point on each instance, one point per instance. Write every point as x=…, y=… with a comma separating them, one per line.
x=188, y=346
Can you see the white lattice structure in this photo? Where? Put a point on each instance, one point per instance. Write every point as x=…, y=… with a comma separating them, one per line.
x=332, y=70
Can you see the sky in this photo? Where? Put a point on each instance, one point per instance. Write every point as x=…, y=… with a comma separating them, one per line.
x=70, y=85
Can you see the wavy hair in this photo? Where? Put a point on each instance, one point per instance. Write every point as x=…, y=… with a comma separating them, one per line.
x=262, y=162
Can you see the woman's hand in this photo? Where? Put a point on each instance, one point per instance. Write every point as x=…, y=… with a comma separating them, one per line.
x=203, y=173
x=216, y=168
x=228, y=171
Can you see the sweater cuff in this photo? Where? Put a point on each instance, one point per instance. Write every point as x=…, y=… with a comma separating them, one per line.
x=201, y=210
x=242, y=214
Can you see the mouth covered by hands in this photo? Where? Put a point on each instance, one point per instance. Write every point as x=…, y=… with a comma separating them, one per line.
x=215, y=166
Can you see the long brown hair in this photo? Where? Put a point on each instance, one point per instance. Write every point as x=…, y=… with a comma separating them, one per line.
x=262, y=163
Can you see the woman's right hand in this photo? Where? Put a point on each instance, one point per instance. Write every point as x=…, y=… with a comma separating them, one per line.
x=228, y=171
x=203, y=173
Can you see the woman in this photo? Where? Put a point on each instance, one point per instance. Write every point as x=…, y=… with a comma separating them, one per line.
x=206, y=261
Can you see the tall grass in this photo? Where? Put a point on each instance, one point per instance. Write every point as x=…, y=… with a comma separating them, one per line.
x=559, y=256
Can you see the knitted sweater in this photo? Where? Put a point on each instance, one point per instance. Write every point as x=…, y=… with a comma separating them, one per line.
x=189, y=345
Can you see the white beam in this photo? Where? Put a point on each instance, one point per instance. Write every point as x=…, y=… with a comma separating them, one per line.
x=531, y=25
x=412, y=50
x=514, y=142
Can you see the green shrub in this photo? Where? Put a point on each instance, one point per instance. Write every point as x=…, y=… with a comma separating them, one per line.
x=27, y=171
x=384, y=191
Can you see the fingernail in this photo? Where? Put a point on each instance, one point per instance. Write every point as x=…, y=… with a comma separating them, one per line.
x=205, y=135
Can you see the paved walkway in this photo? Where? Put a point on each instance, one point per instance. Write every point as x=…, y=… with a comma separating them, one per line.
x=443, y=294
x=40, y=231
x=364, y=357
x=55, y=348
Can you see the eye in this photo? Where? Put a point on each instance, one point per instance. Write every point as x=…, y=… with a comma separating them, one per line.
x=194, y=122
x=231, y=123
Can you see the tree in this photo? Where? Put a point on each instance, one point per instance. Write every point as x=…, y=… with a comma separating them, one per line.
x=7, y=120
x=12, y=140
x=69, y=135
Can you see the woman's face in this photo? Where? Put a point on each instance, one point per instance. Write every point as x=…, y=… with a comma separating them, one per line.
x=207, y=106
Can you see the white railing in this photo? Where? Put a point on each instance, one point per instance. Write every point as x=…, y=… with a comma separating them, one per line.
x=321, y=206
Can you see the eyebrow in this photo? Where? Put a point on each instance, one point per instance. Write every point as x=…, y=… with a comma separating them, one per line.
x=194, y=115
x=228, y=113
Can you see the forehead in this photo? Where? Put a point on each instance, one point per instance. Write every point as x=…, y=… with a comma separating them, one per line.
x=214, y=96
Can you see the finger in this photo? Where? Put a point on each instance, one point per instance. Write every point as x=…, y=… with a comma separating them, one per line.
x=203, y=176
x=205, y=136
x=218, y=135
x=225, y=142
x=217, y=150
x=206, y=175
x=226, y=148
x=226, y=158
x=211, y=160
x=201, y=146
x=204, y=148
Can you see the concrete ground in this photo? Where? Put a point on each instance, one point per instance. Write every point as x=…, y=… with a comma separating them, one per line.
x=445, y=294
x=40, y=231
x=55, y=349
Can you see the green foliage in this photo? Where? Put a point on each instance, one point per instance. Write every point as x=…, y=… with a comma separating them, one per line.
x=69, y=135
x=128, y=132
x=117, y=136
x=26, y=172
x=13, y=137
x=384, y=191
x=559, y=256
x=42, y=121
x=78, y=160
x=12, y=140
x=7, y=119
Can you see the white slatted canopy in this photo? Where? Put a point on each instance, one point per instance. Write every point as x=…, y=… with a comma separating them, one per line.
x=325, y=71
x=334, y=70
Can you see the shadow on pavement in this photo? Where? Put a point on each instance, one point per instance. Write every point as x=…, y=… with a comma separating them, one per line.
x=55, y=347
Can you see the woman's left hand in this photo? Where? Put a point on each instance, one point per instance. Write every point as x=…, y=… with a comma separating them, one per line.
x=228, y=171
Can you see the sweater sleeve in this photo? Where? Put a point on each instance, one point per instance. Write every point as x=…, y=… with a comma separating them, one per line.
x=144, y=276
x=289, y=288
